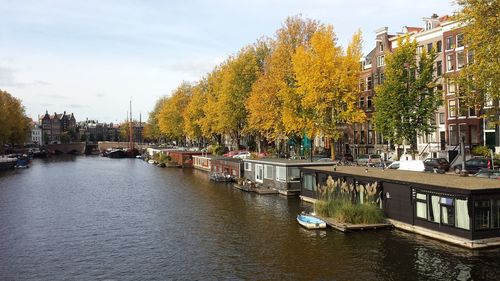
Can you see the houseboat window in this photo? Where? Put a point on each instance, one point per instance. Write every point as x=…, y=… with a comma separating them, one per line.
x=248, y=166
x=309, y=182
x=259, y=173
x=447, y=211
x=462, y=214
x=280, y=173
x=268, y=172
x=434, y=213
x=495, y=213
x=422, y=205
x=293, y=174
x=482, y=211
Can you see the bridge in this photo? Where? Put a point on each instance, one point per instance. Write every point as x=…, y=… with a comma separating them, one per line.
x=104, y=145
x=68, y=148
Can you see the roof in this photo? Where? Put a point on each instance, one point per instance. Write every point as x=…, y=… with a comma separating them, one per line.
x=440, y=180
x=287, y=162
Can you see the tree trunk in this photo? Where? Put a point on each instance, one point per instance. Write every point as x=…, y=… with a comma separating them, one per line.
x=332, y=149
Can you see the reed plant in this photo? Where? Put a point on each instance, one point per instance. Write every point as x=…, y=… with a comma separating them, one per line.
x=337, y=201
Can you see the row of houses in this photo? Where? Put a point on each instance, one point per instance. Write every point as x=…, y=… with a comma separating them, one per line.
x=50, y=128
x=452, y=121
x=463, y=211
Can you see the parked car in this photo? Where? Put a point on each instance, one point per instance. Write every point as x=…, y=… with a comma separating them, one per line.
x=368, y=160
x=441, y=165
x=324, y=160
x=347, y=157
x=232, y=153
x=409, y=165
x=486, y=173
x=242, y=155
x=473, y=165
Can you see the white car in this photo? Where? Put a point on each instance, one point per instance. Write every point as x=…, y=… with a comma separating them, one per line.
x=409, y=165
x=242, y=155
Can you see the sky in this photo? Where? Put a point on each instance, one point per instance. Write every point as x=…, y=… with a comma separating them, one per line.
x=92, y=57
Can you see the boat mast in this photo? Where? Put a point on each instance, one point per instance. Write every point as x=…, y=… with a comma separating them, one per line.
x=131, y=136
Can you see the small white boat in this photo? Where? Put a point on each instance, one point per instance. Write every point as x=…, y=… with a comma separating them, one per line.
x=152, y=161
x=310, y=222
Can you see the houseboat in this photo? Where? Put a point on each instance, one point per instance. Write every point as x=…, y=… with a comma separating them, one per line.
x=460, y=210
x=280, y=174
x=184, y=159
x=203, y=162
x=226, y=167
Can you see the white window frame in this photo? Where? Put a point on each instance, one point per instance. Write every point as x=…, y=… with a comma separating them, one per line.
x=449, y=63
x=380, y=60
x=268, y=175
x=257, y=173
x=281, y=173
x=248, y=166
x=464, y=61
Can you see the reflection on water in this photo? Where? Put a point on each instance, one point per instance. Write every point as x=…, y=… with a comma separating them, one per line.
x=97, y=218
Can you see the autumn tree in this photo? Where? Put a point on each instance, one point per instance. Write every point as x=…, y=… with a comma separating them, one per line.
x=327, y=81
x=170, y=117
x=152, y=129
x=14, y=125
x=478, y=82
x=481, y=24
x=194, y=113
x=409, y=97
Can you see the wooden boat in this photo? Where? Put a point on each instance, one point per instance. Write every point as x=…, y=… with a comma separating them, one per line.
x=310, y=222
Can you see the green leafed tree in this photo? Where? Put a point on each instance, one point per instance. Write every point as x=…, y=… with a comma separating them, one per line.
x=409, y=98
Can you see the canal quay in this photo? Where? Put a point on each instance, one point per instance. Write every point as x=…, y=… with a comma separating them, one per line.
x=94, y=218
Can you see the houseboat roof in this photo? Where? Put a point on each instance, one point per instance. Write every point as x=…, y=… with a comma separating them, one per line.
x=447, y=181
x=287, y=162
x=229, y=159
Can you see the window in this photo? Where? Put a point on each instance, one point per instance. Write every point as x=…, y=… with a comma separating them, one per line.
x=447, y=211
x=460, y=40
x=472, y=111
x=362, y=102
x=429, y=47
x=380, y=61
x=434, y=211
x=268, y=172
x=453, y=134
x=421, y=205
x=368, y=83
x=441, y=117
x=482, y=214
x=369, y=102
x=293, y=174
x=248, y=166
x=462, y=108
x=259, y=173
x=470, y=56
x=449, y=62
x=460, y=60
x=309, y=182
x=382, y=78
x=495, y=213
x=451, y=88
x=420, y=49
x=280, y=173
x=452, y=108
x=439, y=68
x=439, y=46
x=462, y=219
x=361, y=84
x=380, y=46
x=450, y=44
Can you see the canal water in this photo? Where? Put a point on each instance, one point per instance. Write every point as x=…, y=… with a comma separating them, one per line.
x=93, y=218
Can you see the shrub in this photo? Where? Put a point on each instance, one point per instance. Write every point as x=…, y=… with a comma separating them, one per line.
x=481, y=151
x=343, y=211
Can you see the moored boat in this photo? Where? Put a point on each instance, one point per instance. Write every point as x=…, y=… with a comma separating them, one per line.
x=310, y=222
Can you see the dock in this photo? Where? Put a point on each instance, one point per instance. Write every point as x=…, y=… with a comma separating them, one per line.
x=258, y=190
x=348, y=227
